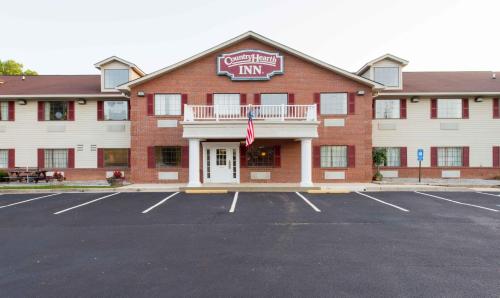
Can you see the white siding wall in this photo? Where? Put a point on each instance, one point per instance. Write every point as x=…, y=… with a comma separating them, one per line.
x=27, y=134
x=480, y=132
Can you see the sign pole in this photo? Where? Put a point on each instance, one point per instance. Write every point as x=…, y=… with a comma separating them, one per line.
x=419, y=171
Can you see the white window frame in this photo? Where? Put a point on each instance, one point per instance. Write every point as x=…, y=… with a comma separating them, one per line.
x=168, y=104
x=450, y=157
x=106, y=109
x=4, y=110
x=387, y=84
x=51, y=163
x=387, y=109
x=334, y=156
x=445, y=109
x=334, y=103
x=109, y=71
x=4, y=158
x=227, y=103
x=274, y=97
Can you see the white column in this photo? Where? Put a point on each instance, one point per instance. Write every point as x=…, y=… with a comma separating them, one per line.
x=306, y=162
x=194, y=163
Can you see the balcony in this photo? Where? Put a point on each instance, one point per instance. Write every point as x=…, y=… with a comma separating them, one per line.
x=278, y=113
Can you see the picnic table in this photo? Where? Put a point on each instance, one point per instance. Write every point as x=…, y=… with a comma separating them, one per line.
x=28, y=174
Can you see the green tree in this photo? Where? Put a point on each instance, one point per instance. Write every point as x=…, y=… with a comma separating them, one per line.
x=13, y=68
x=379, y=156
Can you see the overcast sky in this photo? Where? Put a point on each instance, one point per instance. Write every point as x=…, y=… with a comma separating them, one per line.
x=68, y=37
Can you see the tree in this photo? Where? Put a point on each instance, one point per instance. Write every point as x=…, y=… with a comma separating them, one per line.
x=13, y=68
x=379, y=156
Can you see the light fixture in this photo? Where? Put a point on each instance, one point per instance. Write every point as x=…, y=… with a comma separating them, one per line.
x=361, y=92
x=81, y=101
x=414, y=99
x=140, y=93
x=478, y=99
x=22, y=102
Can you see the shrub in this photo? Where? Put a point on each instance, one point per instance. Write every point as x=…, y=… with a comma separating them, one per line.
x=4, y=176
x=117, y=174
x=58, y=176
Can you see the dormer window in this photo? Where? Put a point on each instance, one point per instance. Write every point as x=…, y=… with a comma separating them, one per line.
x=388, y=76
x=115, y=77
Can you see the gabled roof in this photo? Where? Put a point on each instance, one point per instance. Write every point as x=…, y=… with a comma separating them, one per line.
x=99, y=64
x=396, y=59
x=264, y=40
x=53, y=86
x=448, y=83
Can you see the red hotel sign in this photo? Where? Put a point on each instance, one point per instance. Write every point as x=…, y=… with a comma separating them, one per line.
x=250, y=65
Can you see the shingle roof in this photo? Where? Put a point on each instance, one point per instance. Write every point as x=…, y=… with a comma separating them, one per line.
x=52, y=84
x=448, y=81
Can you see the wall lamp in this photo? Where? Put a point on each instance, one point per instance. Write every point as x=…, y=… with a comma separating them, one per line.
x=361, y=92
x=22, y=102
x=81, y=101
x=478, y=99
x=140, y=93
x=414, y=99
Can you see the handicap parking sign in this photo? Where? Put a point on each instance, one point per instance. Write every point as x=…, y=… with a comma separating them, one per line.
x=420, y=154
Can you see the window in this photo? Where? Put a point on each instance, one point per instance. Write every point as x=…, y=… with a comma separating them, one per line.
x=227, y=104
x=4, y=159
x=449, y=108
x=388, y=76
x=333, y=156
x=387, y=108
x=449, y=156
x=4, y=110
x=221, y=157
x=274, y=99
x=393, y=155
x=115, y=77
x=168, y=104
x=116, y=157
x=56, y=110
x=260, y=156
x=168, y=156
x=115, y=110
x=333, y=103
x=56, y=158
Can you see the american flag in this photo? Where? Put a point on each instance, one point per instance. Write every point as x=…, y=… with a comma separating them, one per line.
x=250, y=132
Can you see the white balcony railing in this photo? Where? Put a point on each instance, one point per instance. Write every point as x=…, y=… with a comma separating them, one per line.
x=194, y=113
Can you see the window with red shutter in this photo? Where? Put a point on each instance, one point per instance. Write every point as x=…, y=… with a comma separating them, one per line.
x=100, y=157
x=71, y=111
x=434, y=156
x=100, y=110
x=243, y=99
x=434, y=109
x=352, y=103
x=291, y=98
x=317, y=100
x=351, y=156
x=317, y=156
x=465, y=108
x=402, y=108
x=150, y=102
x=403, y=155
x=41, y=111
x=185, y=156
x=465, y=156
x=151, y=157
x=11, y=155
x=256, y=99
x=277, y=156
x=12, y=115
x=41, y=158
x=496, y=156
x=184, y=100
x=243, y=156
x=210, y=99
x=71, y=158
x=496, y=110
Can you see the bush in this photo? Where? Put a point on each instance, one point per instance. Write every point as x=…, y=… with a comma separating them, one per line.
x=4, y=176
x=117, y=174
x=58, y=176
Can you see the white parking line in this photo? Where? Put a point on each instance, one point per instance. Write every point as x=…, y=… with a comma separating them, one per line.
x=456, y=202
x=86, y=203
x=159, y=203
x=383, y=202
x=25, y=201
x=489, y=194
x=233, y=205
x=308, y=202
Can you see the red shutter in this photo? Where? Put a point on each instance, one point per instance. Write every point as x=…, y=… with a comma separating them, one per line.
x=151, y=104
x=129, y=158
x=373, y=108
x=12, y=158
x=210, y=99
x=402, y=108
x=151, y=157
x=434, y=108
x=184, y=100
x=351, y=156
x=129, y=106
x=496, y=111
x=465, y=108
x=100, y=158
x=277, y=156
x=291, y=98
x=434, y=156
x=403, y=154
x=41, y=158
x=185, y=156
x=100, y=110
x=352, y=103
x=71, y=111
x=243, y=99
x=496, y=156
x=317, y=101
x=243, y=156
x=41, y=111
x=317, y=156
x=465, y=156
x=71, y=158
x=256, y=99
x=12, y=114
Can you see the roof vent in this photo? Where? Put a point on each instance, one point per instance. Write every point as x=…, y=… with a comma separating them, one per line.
x=493, y=76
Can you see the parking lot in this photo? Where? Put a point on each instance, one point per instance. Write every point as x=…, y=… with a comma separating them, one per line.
x=250, y=244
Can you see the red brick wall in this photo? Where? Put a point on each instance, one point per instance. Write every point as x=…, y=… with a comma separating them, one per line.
x=301, y=78
x=89, y=174
x=466, y=173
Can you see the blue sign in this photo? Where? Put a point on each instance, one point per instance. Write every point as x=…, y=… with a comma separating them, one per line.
x=420, y=154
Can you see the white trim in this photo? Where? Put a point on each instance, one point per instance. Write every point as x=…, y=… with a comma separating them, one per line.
x=396, y=59
x=126, y=86
x=493, y=93
x=27, y=96
x=115, y=58
x=211, y=145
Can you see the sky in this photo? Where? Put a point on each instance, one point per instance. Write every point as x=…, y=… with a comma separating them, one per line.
x=68, y=37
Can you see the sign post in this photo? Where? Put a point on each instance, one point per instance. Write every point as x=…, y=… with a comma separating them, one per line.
x=420, y=157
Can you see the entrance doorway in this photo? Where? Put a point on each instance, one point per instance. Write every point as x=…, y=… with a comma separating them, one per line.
x=221, y=162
